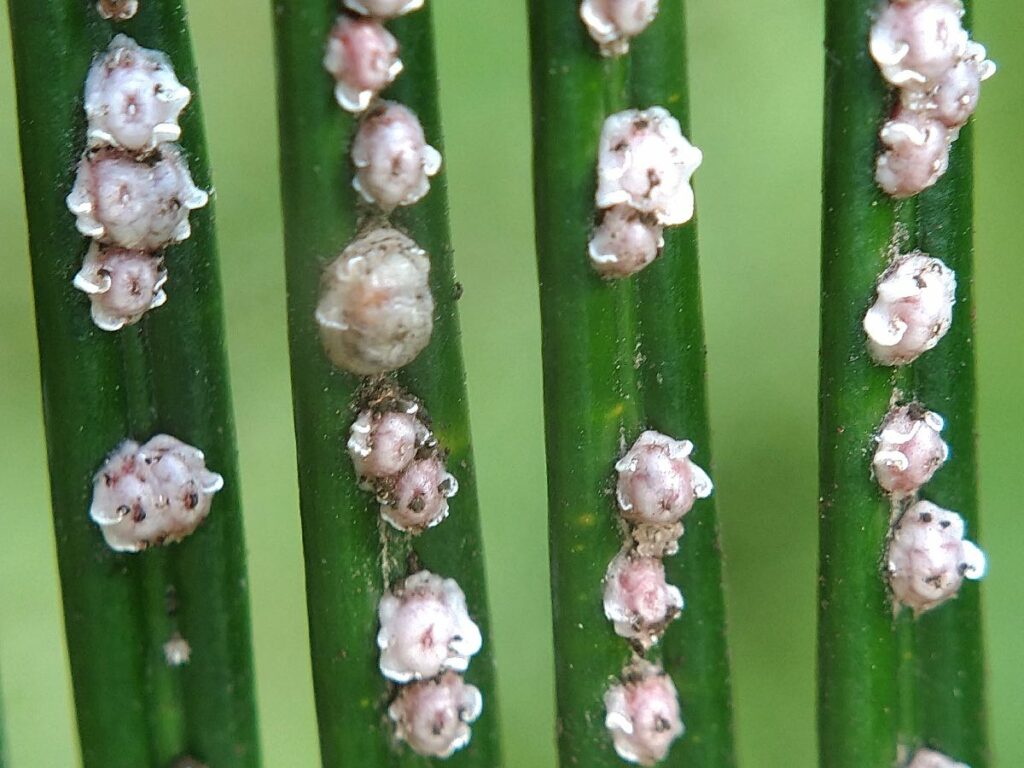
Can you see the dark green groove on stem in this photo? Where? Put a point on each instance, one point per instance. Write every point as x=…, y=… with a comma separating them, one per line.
x=857, y=651
x=951, y=667
x=675, y=397
x=619, y=356
x=342, y=535
x=100, y=388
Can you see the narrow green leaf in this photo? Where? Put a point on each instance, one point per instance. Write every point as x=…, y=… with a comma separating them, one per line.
x=342, y=532
x=857, y=654
x=168, y=374
x=930, y=670
x=618, y=357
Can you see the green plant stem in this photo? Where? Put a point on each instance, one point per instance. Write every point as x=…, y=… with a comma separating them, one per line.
x=857, y=653
x=100, y=388
x=940, y=661
x=342, y=532
x=618, y=356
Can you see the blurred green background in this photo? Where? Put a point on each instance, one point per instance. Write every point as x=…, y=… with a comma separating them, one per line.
x=756, y=92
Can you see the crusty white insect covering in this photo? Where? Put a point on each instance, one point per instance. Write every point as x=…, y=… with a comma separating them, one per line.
x=122, y=284
x=425, y=629
x=376, y=312
x=133, y=98
x=915, y=42
x=645, y=162
x=156, y=493
x=642, y=714
x=363, y=58
x=625, y=241
x=118, y=10
x=139, y=205
x=419, y=498
x=392, y=159
x=915, y=154
x=658, y=481
x=433, y=716
x=383, y=9
x=921, y=47
x=910, y=449
x=929, y=758
x=177, y=651
x=613, y=23
x=383, y=444
x=929, y=557
x=913, y=309
x=638, y=600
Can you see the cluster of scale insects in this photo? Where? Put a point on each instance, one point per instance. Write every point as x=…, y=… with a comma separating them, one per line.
x=133, y=194
x=923, y=50
x=375, y=315
x=132, y=197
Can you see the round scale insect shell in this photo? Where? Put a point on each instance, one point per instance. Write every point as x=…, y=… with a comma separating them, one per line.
x=642, y=714
x=433, y=716
x=638, y=600
x=156, y=493
x=420, y=496
x=910, y=449
x=613, y=23
x=646, y=163
x=425, y=629
x=362, y=56
x=929, y=758
x=624, y=242
x=383, y=9
x=929, y=557
x=916, y=43
x=117, y=10
x=122, y=284
x=383, y=444
x=133, y=204
x=133, y=97
x=376, y=310
x=915, y=154
x=392, y=159
x=913, y=309
x=658, y=482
